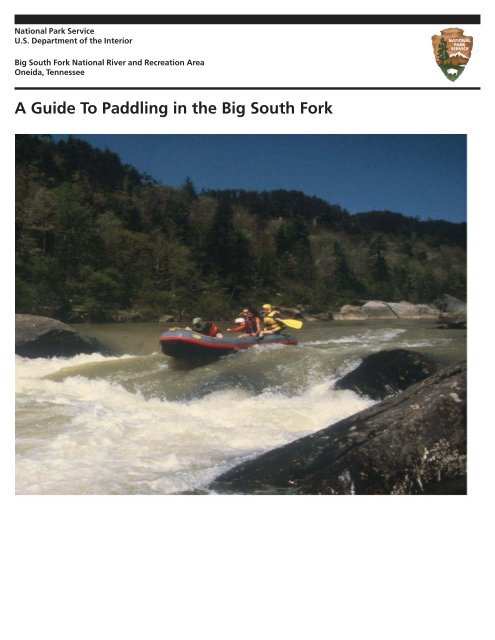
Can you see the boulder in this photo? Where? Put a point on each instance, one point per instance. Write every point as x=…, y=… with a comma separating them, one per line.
x=452, y=323
x=387, y=372
x=453, y=312
x=380, y=310
x=408, y=311
x=426, y=311
x=166, y=318
x=412, y=443
x=449, y=304
x=40, y=337
x=349, y=312
x=403, y=309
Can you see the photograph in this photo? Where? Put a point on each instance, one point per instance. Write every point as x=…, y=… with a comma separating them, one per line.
x=263, y=314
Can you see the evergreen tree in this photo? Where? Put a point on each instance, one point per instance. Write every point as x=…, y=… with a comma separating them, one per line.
x=344, y=284
x=379, y=274
x=189, y=190
x=443, y=54
x=229, y=251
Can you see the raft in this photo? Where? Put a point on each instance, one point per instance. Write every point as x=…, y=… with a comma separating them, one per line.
x=183, y=344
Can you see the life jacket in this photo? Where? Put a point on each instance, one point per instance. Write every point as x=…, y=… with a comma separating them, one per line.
x=270, y=321
x=213, y=330
x=251, y=327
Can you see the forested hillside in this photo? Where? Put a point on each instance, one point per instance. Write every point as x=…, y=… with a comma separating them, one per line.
x=97, y=240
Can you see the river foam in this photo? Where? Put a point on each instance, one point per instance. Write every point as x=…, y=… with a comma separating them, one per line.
x=80, y=435
x=366, y=337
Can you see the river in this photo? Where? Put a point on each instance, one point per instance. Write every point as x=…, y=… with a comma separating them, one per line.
x=143, y=423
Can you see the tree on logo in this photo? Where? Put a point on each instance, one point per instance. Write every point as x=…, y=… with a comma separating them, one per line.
x=443, y=54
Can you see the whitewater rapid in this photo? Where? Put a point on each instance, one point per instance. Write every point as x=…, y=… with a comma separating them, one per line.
x=94, y=436
x=145, y=424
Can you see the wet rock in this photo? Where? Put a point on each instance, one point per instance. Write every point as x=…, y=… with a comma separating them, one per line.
x=166, y=318
x=412, y=443
x=387, y=372
x=40, y=337
x=451, y=323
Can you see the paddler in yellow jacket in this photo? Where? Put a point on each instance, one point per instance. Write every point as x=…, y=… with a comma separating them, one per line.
x=269, y=316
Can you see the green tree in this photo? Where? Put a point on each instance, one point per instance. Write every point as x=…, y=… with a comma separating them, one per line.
x=189, y=190
x=294, y=249
x=442, y=52
x=343, y=281
x=229, y=251
x=378, y=269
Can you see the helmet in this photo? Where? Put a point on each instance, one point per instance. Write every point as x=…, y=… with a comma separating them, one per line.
x=268, y=307
x=197, y=320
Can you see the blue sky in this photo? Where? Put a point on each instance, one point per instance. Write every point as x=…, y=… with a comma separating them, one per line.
x=417, y=175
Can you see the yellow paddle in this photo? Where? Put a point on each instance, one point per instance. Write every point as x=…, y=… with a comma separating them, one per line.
x=293, y=324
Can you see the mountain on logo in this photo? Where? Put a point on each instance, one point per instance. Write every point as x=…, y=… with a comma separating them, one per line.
x=452, y=51
x=458, y=58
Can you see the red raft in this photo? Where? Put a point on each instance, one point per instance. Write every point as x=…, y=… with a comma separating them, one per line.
x=187, y=345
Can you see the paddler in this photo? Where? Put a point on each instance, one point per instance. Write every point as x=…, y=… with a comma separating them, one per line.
x=253, y=323
x=206, y=328
x=240, y=325
x=270, y=323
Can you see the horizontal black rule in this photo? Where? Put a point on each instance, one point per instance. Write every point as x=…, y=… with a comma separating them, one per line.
x=443, y=19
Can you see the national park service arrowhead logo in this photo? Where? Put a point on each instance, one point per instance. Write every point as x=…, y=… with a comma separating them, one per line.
x=452, y=51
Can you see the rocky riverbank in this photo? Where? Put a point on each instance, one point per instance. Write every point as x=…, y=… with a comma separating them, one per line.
x=447, y=309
